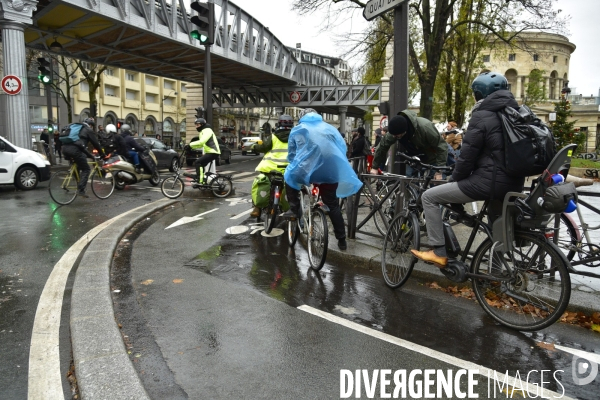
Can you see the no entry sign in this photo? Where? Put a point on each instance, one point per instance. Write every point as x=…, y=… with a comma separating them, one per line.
x=11, y=84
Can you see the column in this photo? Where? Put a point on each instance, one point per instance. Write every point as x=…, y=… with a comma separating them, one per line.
x=343, y=110
x=518, y=93
x=15, y=108
x=548, y=88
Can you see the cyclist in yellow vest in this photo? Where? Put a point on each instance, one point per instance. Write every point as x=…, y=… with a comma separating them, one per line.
x=207, y=141
x=276, y=150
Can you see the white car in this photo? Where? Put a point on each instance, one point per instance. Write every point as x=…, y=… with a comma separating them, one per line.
x=22, y=167
x=247, y=144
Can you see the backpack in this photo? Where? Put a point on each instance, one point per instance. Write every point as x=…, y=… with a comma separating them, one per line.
x=107, y=141
x=529, y=145
x=367, y=148
x=70, y=133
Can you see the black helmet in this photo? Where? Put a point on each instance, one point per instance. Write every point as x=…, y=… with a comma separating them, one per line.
x=90, y=121
x=200, y=121
x=285, y=121
x=487, y=83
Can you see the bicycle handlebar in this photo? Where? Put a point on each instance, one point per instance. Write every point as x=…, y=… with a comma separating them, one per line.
x=416, y=162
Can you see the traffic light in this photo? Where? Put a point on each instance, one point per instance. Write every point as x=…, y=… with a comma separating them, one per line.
x=384, y=108
x=199, y=112
x=205, y=21
x=50, y=128
x=44, y=75
x=119, y=124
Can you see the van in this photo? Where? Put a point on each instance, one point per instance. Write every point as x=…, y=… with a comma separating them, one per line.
x=21, y=167
x=247, y=143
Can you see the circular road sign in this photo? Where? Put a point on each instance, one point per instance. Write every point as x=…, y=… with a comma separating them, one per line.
x=384, y=122
x=295, y=97
x=11, y=84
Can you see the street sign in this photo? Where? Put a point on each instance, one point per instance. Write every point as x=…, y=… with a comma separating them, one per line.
x=11, y=84
x=375, y=8
x=295, y=97
x=384, y=122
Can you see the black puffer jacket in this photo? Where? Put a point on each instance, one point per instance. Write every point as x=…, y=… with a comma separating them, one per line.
x=475, y=167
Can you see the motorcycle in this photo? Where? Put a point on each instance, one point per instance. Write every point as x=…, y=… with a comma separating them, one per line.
x=125, y=173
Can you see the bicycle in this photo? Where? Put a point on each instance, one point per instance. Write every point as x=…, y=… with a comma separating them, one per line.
x=313, y=224
x=63, y=184
x=274, y=207
x=518, y=275
x=220, y=185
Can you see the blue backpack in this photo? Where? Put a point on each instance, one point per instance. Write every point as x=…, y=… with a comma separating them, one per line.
x=70, y=134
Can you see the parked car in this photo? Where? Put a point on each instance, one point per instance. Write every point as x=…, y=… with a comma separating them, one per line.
x=165, y=155
x=192, y=155
x=21, y=167
x=247, y=144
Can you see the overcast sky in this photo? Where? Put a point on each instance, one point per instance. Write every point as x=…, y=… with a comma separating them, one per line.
x=290, y=28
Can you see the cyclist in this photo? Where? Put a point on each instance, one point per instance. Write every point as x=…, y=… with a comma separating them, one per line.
x=317, y=154
x=207, y=140
x=133, y=147
x=275, y=148
x=77, y=151
x=417, y=135
x=475, y=175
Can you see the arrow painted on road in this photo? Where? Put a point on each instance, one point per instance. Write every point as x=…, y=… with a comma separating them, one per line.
x=187, y=220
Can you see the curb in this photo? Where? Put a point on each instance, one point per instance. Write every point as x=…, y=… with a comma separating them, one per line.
x=102, y=366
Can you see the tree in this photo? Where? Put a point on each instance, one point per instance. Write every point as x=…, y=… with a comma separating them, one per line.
x=564, y=131
x=509, y=19
x=92, y=74
x=535, y=91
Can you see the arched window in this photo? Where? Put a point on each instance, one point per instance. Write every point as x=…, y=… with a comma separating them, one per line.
x=149, y=128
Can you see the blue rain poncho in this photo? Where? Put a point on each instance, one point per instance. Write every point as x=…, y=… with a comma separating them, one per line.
x=317, y=154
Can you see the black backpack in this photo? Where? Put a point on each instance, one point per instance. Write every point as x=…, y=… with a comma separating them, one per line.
x=367, y=148
x=107, y=141
x=529, y=145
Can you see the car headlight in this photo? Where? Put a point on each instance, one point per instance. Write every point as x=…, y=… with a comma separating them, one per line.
x=44, y=158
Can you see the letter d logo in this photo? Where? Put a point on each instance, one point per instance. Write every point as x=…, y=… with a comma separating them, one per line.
x=582, y=367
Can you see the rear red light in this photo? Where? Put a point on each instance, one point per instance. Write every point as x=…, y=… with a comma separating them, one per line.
x=277, y=194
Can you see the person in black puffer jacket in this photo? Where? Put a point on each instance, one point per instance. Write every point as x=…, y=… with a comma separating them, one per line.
x=479, y=172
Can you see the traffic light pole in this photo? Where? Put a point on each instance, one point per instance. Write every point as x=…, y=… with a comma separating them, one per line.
x=48, y=90
x=208, y=110
x=399, y=93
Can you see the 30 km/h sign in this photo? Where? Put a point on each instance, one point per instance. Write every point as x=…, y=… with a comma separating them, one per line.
x=11, y=84
x=375, y=8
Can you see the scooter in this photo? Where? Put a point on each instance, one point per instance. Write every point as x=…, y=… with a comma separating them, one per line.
x=125, y=173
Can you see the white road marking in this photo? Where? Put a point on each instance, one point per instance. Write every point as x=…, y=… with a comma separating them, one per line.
x=44, y=378
x=240, y=215
x=187, y=220
x=238, y=200
x=580, y=353
x=236, y=230
x=457, y=362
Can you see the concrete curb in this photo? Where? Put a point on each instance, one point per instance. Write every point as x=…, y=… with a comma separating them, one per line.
x=102, y=366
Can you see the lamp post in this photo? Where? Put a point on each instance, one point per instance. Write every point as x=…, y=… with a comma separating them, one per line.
x=162, y=120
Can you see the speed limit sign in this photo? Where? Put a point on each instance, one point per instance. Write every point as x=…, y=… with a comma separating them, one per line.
x=11, y=84
x=295, y=97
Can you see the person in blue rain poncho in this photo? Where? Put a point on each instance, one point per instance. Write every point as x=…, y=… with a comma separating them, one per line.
x=317, y=155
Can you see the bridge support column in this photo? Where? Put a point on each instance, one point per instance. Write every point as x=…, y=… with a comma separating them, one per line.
x=343, y=111
x=14, y=16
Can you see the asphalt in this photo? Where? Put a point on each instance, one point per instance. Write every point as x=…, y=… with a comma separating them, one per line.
x=101, y=361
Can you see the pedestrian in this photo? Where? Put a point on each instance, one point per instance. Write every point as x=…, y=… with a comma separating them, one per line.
x=417, y=135
x=158, y=136
x=57, y=146
x=476, y=175
x=100, y=130
x=45, y=138
x=316, y=152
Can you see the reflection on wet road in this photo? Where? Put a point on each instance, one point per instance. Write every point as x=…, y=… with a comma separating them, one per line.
x=430, y=318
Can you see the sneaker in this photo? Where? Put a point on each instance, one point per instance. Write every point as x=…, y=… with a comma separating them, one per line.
x=342, y=244
x=255, y=212
x=289, y=214
x=82, y=193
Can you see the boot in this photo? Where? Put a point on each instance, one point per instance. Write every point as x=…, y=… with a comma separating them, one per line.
x=255, y=212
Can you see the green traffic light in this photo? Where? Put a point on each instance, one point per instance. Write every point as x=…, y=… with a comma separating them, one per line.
x=44, y=78
x=203, y=39
x=50, y=128
x=199, y=36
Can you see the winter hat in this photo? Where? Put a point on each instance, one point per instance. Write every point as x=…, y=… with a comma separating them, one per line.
x=398, y=125
x=361, y=131
x=378, y=131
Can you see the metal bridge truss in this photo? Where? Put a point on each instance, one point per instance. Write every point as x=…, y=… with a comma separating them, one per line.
x=323, y=98
x=153, y=36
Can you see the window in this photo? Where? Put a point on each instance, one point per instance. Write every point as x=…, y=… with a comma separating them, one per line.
x=84, y=87
x=554, y=59
x=183, y=103
x=109, y=72
x=111, y=91
x=536, y=57
x=486, y=58
x=85, y=65
x=512, y=57
x=130, y=76
x=566, y=61
x=131, y=95
x=169, y=85
x=150, y=80
x=183, y=88
x=169, y=101
x=151, y=98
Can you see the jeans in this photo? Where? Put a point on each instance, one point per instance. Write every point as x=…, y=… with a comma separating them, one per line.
x=432, y=198
x=134, y=157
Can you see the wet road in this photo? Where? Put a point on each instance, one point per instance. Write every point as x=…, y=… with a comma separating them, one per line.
x=207, y=314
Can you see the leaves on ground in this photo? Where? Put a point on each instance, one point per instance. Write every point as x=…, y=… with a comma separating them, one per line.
x=547, y=346
x=147, y=282
x=177, y=280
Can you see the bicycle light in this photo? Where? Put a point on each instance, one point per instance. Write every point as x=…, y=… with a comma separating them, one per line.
x=315, y=191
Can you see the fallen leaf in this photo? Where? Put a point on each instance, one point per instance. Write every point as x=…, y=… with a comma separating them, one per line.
x=547, y=346
x=177, y=280
x=596, y=327
x=147, y=282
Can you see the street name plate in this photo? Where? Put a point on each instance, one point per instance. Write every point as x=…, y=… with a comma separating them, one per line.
x=374, y=8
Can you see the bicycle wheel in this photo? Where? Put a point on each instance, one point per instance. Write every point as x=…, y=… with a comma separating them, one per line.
x=387, y=208
x=567, y=236
x=103, y=184
x=317, y=239
x=529, y=287
x=172, y=187
x=271, y=217
x=293, y=231
x=63, y=187
x=396, y=260
x=221, y=186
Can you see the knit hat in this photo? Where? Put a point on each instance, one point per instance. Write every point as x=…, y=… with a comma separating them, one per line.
x=361, y=131
x=398, y=125
x=378, y=131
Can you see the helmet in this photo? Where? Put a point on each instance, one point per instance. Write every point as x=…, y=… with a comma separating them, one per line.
x=110, y=128
x=285, y=121
x=125, y=127
x=90, y=121
x=200, y=121
x=306, y=111
x=487, y=83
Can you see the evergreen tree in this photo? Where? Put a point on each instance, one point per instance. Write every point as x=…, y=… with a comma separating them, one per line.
x=563, y=130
